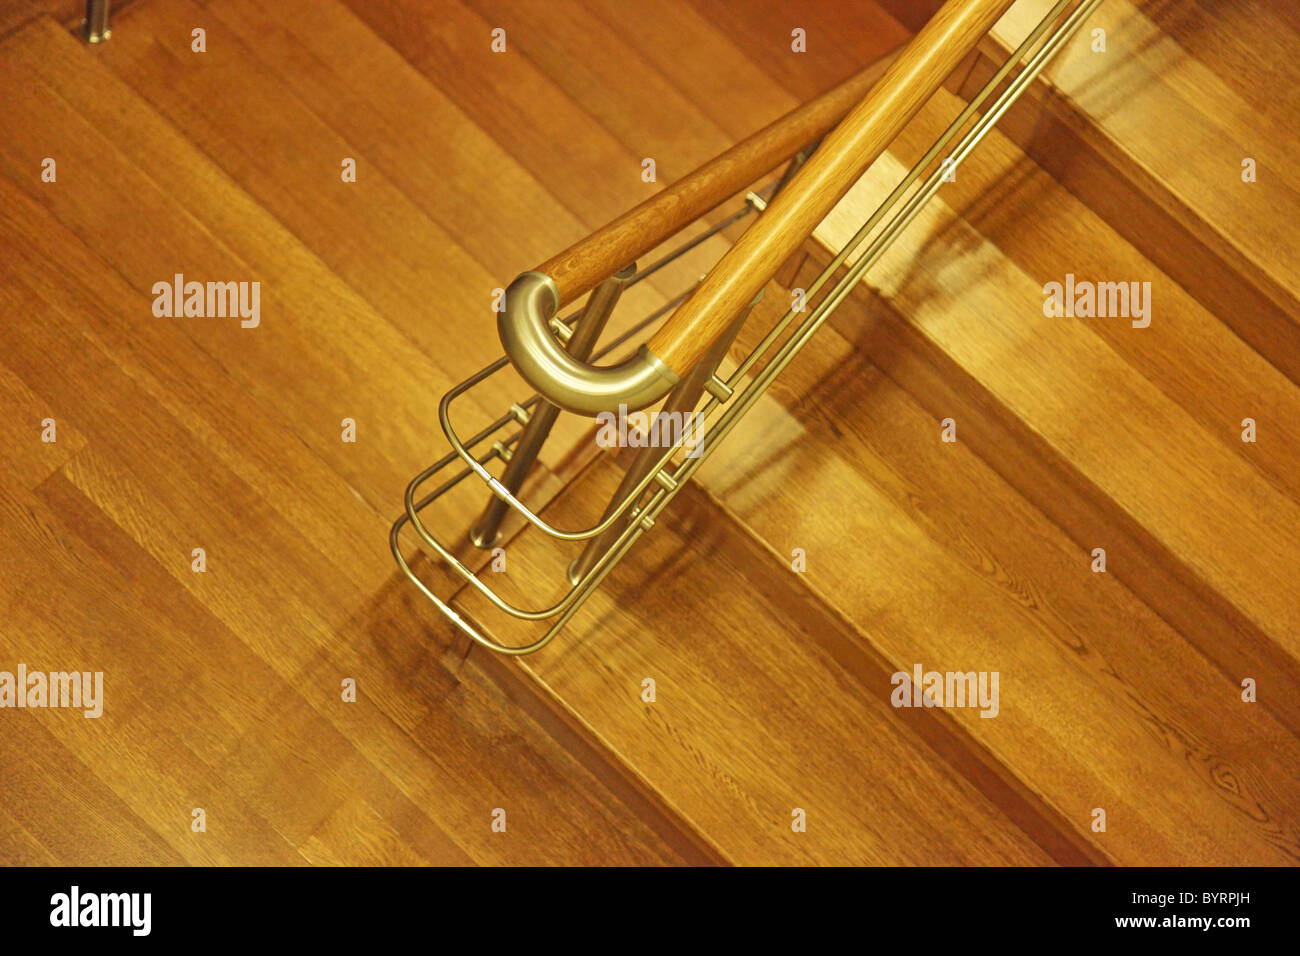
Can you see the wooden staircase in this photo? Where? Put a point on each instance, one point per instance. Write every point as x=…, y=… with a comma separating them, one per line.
x=1119, y=690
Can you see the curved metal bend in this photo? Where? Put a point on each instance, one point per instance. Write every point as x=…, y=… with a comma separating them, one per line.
x=532, y=300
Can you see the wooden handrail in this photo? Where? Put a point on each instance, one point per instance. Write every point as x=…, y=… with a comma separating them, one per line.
x=822, y=182
x=593, y=259
x=882, y=108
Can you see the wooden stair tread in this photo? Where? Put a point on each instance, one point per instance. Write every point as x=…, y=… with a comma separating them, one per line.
x=302, y=302
x=1148, y=455
x=1186, y=351
x=753, y=717
x=773, y=687
x=1195, y=149
x=191, y=451
x=1162, y=162
x=937, y=560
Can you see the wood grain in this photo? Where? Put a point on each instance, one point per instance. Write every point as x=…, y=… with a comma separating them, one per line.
x=1119, y=690
x=580, y=267
x=751, y=720
x=1153, y=134
x=242, y=714
x=815, y=189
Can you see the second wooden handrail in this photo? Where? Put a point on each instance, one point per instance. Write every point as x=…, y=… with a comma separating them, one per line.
x=822, y=182
x=591, y=260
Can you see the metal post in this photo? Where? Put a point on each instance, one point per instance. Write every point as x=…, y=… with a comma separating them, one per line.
x=600, y=304
x=95, y=28
x=682, y=399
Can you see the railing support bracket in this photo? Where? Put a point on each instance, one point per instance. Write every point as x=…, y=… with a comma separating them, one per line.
x=95, y=28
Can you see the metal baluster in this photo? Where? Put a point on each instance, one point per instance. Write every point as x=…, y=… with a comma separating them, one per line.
x=95, y=28
x=519, y=461
x=657, y=475
x=681, y=400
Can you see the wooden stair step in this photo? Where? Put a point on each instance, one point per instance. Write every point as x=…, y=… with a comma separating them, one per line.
x=314, y=327
x=395, y=412
x=1173, y=493
x=936, y=559
x=1153, y=134
x=46, y=781
x=105, y=313
x=841, y=38
x=1186, y=351
x=755, y=716
x=1249, y=46
x=93, y=581
x=206, y=435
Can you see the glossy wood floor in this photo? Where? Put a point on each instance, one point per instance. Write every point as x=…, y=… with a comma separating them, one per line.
x=1119, y=691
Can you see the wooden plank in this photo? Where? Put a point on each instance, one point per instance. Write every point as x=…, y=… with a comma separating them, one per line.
x=753, y=717
x=1154, y=140
x=1250, y=46
x=1210, y=507
x=938, y=560
x=20, y=848
x=16, y=13
x=1186, y=351
x=29, y=459
x=841, y=37
x=67, y=610
x=293, y=609
x=62, y=812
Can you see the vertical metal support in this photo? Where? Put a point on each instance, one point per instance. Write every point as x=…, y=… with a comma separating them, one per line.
x=792, y=167
x=95, y=28
x=757, y=202
x=681, y=400
x=486, y=531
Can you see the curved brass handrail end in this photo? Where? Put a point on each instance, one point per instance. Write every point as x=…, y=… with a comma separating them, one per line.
x=531, y=301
